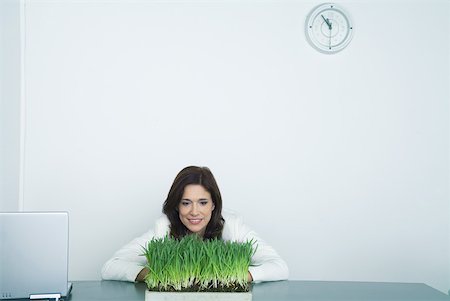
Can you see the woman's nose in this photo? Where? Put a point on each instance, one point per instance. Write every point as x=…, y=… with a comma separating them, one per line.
x=194, y=209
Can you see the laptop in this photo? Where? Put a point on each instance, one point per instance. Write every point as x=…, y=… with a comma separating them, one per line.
x=34, y=255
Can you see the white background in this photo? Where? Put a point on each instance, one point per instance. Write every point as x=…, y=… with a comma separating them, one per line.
x=341, y=161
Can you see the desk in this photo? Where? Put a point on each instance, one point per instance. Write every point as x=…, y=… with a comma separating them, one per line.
x=277, y=291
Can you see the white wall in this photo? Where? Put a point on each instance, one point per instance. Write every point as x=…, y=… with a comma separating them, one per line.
x=9, y=104
x=341, y=162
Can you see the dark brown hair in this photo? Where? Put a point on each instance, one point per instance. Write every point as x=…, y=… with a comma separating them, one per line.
x=194, y=175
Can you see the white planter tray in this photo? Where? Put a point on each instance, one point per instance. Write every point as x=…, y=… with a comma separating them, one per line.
x=197, y=296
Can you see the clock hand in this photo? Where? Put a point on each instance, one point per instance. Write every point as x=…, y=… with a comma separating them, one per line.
x=327, y=21
x=329, y=38
x=330, y=27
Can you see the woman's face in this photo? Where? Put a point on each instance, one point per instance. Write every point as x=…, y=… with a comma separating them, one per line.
x=195, y=208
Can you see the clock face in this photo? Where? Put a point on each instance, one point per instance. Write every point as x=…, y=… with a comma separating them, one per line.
x=329, y=28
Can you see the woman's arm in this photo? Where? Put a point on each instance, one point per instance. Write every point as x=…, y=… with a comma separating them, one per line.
x=127, y=263
x=266, y=263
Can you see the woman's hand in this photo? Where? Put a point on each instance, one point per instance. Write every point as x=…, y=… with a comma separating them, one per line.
x=140, y=277
x=250, y=277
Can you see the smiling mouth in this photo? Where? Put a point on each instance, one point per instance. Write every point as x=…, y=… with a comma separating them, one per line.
x=195, y=221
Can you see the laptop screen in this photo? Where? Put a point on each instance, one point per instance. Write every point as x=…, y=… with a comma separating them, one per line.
x=33, y=254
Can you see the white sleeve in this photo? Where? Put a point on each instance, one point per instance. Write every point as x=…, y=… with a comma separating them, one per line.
x=266, y=264
x=127, y=262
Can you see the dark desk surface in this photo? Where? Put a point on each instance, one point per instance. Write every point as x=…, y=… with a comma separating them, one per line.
x=278, y=291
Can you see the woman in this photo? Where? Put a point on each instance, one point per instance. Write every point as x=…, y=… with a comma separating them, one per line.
x=194, y=205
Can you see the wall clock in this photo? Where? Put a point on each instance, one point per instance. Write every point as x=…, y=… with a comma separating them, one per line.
x=328, y=28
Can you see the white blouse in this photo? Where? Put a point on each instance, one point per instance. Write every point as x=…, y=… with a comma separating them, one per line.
x=266, y=264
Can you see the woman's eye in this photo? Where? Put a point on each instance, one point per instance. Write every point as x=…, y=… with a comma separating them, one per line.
x=203, y=203
x=185, y=203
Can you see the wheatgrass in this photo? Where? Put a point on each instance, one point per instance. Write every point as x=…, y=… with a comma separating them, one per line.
x=194, y=264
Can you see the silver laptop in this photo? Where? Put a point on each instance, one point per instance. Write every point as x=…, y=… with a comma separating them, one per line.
x=34, y=255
